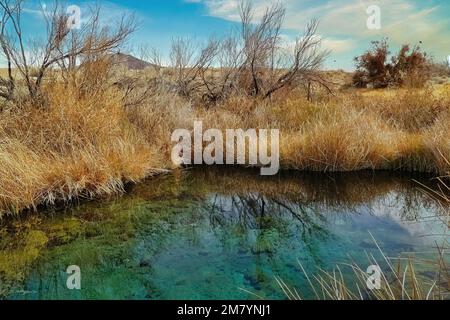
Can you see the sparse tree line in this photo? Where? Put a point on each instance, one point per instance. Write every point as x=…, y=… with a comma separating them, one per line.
x=252, y=61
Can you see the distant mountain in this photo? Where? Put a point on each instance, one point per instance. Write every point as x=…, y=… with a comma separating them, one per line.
x=130, y=62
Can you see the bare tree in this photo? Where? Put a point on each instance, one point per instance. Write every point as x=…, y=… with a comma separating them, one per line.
x=63, y=47
x=255, y=62
x=153, y=56
x=189, y=61
x=271, y=70
x=306, y=62
x=260, y=43
x=229, y=60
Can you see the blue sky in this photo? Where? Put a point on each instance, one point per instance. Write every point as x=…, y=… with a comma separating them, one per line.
x=343, y=22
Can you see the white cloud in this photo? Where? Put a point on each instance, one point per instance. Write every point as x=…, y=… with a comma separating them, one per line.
x=403, y=21
x=339, y=45
x=110, y=13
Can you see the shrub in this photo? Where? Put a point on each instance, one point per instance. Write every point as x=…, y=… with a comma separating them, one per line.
x=410, y=67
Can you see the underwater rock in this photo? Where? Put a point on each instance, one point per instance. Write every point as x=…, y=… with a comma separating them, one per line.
x=145, y=263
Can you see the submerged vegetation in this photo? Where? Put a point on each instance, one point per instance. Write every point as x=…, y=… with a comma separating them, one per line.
x=406, y=277
x=177, y=236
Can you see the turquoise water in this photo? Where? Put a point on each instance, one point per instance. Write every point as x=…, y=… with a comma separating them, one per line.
x=217, y=234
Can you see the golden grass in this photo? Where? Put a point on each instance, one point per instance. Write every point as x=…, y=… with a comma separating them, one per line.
x=78, y=147
x=84, y=143
x=392, y=129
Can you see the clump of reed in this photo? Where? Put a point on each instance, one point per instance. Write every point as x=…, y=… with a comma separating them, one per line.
x=79, y=145
x=403, y=278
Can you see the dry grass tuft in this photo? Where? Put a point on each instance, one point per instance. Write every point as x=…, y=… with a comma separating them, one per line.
x=78, y=147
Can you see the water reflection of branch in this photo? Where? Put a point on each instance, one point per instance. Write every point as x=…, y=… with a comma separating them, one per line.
x=254, y=211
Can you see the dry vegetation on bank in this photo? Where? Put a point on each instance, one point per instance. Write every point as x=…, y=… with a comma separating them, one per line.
x=353, y=130
x=88, y=146
x=84, y=131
